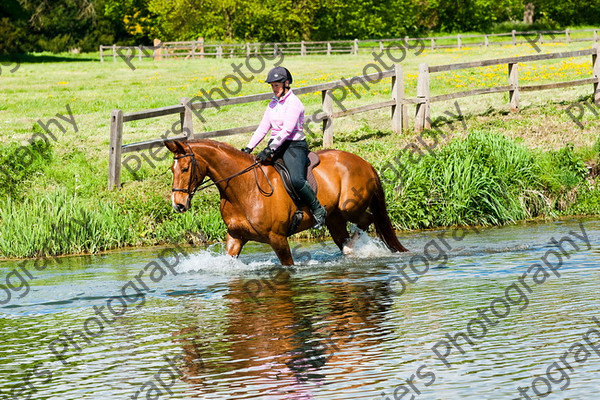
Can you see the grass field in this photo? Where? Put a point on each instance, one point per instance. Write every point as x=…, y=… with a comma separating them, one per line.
x=36, y=215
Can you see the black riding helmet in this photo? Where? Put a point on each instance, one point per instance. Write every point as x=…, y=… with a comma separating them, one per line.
x=279, y=74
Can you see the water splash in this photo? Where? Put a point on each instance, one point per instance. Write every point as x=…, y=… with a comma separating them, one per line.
x=215, y=262
x=361, y=245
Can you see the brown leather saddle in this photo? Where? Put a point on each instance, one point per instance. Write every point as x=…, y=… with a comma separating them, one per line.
x=279, y=165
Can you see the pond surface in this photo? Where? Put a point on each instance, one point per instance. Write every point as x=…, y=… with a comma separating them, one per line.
x=155, y=324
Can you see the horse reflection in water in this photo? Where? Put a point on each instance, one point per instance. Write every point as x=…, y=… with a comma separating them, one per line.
x=277, y=345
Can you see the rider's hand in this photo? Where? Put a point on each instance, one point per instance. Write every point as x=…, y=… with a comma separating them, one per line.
x=266, y=153
x=247, y=150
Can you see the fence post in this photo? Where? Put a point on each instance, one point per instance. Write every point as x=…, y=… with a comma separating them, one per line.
x=432, y=44
x=422, y=115
x=187, y=118
x=355, y=47
x=540, y=38
x=219, y=51
x=101, y=54
x=399, y=115
x=247, y=50
x=275, y=49
x=157, y=55
x=596, y=73
x=139, y=52
x=458, y=41
x=514, y=37
x=114, y=50
x=381, y=46
x=567, y=35
x=201, y=46
x=114, y=153
x=486, y=41
x=595, y=36
x=302, y=48
x=327, y=103
x=328, y=48
x=513, y=82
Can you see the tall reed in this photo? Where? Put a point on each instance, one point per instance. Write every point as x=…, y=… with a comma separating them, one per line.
x=483, y=179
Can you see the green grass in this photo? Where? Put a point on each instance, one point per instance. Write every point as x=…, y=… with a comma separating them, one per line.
x=513, y=166
x=484, y=179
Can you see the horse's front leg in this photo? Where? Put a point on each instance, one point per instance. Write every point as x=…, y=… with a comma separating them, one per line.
x=282, y=248
x=234, y=245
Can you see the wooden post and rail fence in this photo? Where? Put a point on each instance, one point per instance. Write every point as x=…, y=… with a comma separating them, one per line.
x=200, y=49
x=398, y=103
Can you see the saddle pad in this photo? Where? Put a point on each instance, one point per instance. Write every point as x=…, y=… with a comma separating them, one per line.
x=314, y=160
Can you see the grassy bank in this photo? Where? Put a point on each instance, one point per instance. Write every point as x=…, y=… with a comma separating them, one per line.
x=489, y=179
x=479, y=179
x=503, y=167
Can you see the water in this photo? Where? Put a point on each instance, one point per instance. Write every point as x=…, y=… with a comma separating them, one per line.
x=333, y=327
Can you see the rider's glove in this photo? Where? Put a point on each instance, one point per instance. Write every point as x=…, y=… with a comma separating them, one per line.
x=266, y=153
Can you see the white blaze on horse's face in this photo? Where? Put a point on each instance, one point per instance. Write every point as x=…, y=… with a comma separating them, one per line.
x=180, y=200
x=173, y=193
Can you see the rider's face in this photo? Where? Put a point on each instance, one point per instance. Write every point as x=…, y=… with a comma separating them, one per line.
x=278, y=88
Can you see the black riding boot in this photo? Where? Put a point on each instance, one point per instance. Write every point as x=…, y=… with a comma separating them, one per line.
x=310, y=199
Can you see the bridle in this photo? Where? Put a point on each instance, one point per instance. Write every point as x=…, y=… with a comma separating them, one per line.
x=201, y=186
x=195, y=166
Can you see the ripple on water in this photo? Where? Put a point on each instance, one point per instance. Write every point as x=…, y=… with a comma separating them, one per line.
x=335, y=329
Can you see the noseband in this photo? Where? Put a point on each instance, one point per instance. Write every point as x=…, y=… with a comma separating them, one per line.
x=190, y=192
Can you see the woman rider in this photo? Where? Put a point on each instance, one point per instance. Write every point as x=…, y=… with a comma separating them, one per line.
x=284, y=117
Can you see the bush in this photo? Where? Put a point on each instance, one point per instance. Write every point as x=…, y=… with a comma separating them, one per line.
x=13, y=36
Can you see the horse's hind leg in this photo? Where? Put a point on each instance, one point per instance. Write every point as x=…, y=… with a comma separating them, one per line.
x=355, y=210
x=364, y=221
x=337, y=228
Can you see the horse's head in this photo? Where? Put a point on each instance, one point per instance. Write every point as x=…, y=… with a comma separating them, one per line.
x=187, y=174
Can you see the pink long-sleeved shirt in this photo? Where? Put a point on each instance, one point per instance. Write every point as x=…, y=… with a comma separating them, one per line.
x=284, y=117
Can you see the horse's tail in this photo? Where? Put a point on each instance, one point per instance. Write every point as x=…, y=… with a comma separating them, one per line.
x=381, y=219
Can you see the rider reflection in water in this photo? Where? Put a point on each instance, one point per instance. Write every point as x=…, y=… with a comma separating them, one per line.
x=285, y=117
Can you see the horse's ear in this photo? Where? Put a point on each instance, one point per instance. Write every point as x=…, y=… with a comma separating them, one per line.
x=174, y=146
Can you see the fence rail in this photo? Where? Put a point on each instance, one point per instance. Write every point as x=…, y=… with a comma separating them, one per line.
x=200, y=49
x=398, y=103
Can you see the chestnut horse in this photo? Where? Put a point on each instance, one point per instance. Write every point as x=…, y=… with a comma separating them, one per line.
x=255, y=205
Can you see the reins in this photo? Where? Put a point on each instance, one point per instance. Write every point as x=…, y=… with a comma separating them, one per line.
x=264, y=192
x=202, y=186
